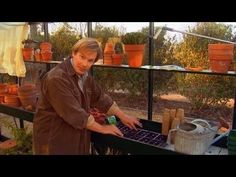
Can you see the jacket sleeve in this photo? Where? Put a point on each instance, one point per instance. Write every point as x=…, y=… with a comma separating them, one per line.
x=99, y=99
x=65, y=104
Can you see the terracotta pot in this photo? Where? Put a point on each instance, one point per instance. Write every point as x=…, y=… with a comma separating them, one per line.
x=2, y=98
x=12, y=100
x=3, y=88
x=109, y=48
x=46, y=46
x=27, y=90
x=221, y=66
x=27, y=53
x=135, y=54
x=38, y=56
x=27, y=87
x=13, y=89
x=28, y=93
x=117, y=59
x=220, y=56
x=28, y=100
x=46, y=55
x=107, y=59
x=8, y=144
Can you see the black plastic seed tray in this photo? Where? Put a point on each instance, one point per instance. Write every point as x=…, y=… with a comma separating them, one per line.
x=143, y=136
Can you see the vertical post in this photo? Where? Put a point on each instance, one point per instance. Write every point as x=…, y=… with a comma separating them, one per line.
x=46, y=34
x=18, y=82
x=21, y=123
x=150, y=72
x=90, y=35
x=48, y=67
x=89, y=29
x=234, y=113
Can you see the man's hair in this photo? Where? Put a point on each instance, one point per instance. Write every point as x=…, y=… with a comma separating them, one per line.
x=90, y=44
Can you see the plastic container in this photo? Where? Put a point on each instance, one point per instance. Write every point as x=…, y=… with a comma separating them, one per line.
x=231, y=142
x=111, y=120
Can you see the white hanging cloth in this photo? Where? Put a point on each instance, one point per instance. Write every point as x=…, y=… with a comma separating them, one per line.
x=11, y=59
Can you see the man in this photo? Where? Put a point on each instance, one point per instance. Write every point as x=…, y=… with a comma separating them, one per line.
x=62, y=123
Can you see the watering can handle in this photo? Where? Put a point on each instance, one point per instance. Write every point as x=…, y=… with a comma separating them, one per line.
x=201, y=120
x=169, y=137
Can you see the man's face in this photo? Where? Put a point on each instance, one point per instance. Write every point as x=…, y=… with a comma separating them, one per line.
x=82, y=62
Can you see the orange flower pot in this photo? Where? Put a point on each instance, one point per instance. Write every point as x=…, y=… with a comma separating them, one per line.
x=13, y=89
x=117, y=59
x=45, y=46
x=27, y=53
x=220, y=57
x=109, y=48
x=12, y=100
x=38, y=56
x=8, y=144
x=27, y=90
x=46, y=55
x=107, y=59
x=3, y=88
x=135, y=54
x=2, y=99
x=28, y=100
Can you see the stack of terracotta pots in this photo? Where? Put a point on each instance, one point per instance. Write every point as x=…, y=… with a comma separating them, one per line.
x=3, y=92
x=8, y=95
x=220, y=56
x=108, y=52
x=13, y=89
x=46, y=52
x=28, y=96
x=12, y=100
x=1, y=98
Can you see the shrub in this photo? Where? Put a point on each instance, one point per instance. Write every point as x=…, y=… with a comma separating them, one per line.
x=134, y=38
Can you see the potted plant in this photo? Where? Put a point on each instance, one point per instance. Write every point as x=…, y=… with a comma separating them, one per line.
x=118, y=56
x=134, y=47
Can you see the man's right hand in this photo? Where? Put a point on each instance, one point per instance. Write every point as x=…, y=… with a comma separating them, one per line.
x=112, y=129
x=104, y=129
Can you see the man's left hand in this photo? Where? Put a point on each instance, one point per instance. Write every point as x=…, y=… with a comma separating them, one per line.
x=131, y=122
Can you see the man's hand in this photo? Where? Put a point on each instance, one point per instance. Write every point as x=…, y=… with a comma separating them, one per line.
x=127, y=120
x=131, y=121
x=104, y=129
x=111, y=129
